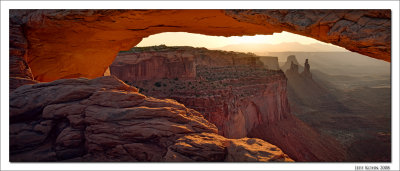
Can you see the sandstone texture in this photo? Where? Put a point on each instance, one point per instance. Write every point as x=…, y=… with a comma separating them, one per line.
x=239, y=95
x=16, y=82
x=83, y=43
x=162, y=62
x=213, y=147
x=232, y=90
x=20, y=72
x=105, y=119
x=367, y=32
x=18, y=50
x=150, y=66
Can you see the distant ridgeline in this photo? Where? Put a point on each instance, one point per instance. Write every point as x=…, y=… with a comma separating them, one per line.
x=164, y=48
x=181, y=61
x=244, y=95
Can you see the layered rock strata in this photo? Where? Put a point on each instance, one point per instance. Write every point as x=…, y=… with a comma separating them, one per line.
x=151, y=65
x=232, y=90
x=106, y=120
x=20, y=72
x=83, y=43
x=239, y=95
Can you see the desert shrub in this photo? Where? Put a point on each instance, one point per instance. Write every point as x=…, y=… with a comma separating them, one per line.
x=157, y=84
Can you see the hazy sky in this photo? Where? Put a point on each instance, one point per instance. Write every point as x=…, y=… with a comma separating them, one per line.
x=212, y=42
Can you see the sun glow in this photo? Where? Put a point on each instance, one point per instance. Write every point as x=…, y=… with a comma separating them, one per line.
x=214, y=42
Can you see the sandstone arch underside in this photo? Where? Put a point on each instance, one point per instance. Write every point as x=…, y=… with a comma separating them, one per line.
x=47, y=45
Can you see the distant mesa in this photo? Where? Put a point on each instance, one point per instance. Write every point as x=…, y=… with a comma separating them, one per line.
x=292, y=58
x=293, y=70
x=213, y=82
x=244, y=95
x=282, y=47
x=288, y=64
x=158, y=62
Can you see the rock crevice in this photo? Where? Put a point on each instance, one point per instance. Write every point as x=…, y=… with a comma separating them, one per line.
x=105, y=119
x=83, y=43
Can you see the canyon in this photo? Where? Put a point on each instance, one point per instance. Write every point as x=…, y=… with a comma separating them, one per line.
x=228, y=106
x=352, y=108
x=105, y=119
x=221, y=85
x=232, y=90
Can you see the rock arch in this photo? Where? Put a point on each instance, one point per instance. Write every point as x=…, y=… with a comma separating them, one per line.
x=47, y=45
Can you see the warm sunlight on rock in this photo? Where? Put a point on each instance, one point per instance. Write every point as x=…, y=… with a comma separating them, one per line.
x=242, y=86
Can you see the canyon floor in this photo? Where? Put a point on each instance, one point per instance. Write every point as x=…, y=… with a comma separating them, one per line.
x=347, y=100
x=187, y=104
x=348, y=105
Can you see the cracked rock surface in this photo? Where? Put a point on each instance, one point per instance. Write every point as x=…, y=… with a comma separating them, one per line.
x=106, y=120
x=83, y=43
x=367, y=32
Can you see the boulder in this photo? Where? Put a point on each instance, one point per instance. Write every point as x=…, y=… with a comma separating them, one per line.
x=104, y=119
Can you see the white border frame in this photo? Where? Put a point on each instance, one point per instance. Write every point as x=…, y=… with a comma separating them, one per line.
x=6, y=5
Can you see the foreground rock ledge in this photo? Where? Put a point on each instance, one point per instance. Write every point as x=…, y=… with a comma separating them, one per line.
x=106, y=120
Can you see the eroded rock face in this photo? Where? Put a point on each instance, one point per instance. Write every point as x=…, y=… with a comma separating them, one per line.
x=288, y=64
x=162, y=62
x=294, y=69
x=236, y=93
x=364, y=31
x=20, y=72
x=300, y=141
x=306, y=72
x=16, y=82
x=83, y=43
x=18, y=50
x=212, y=147
x=151, y=65
x=106, y=120
x=232, y=90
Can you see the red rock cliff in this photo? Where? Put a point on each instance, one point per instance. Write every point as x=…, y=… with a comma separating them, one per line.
x=235, y=92
x=83, y=43
x=106, y=120
x=151, y=65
